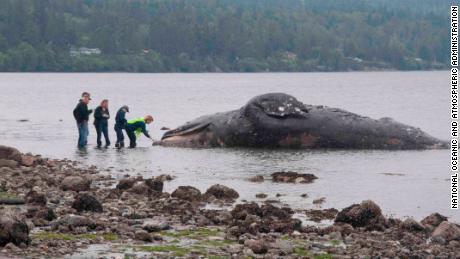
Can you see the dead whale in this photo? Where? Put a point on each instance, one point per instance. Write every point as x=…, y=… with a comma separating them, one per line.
x=278, y=120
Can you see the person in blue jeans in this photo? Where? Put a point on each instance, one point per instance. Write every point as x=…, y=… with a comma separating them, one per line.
x=81, y=114
x=101, y=122
x=120, y=124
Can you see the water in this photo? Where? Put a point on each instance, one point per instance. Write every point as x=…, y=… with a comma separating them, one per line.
x=345, y=177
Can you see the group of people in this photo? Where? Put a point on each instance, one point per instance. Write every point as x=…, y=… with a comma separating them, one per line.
x=133, y=128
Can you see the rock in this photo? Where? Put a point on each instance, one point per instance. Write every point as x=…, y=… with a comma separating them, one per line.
x=28, y=160
x=86, y=202
x=233, y=232
x=156, y=227
x=10, y=153
x=13, y=229
x=75, y=183
x=12, y=201
x=154, y=184
x=187, y=193
x=439, y=240
x=34, y=197
x=454, y=243
x=257, y=246
x=319, y=215
x=367, y=214
x=126, y=183
x=412, y=225
x=234, y=248
x=75, y=221
x=241, y=211
x=261, y=195
x=268, y=210
x=256, y=179
x=140, y=188
x=41, y=213
x=447, y=231
x=250, y=218
x=12, y=248
x=222, y=192
x=434, y=220
x=319, y=201
x=143, y=235
x=164, y=177
x=8, y=163
x=286, y=226
x=114, y=194
x=165, y=128
x=284, y=246
x=336, y=235
x=293, y=177
x=51, y=163
x=218, y=217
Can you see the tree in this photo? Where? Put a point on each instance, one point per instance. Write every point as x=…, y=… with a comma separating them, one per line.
x=223, y=35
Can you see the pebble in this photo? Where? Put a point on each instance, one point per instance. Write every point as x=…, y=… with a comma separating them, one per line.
x=259, y=230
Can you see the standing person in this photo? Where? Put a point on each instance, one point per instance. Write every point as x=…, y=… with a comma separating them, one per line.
x=101, y=118
x=137, y=126
x=81, y=114
x=120, y=124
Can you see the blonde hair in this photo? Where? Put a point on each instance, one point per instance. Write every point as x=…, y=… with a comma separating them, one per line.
x=104, y=101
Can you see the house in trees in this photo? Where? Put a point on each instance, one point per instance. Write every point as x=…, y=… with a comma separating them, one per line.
x=75, y=52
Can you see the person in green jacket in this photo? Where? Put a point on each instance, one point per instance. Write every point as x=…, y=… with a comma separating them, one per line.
x=137, y=126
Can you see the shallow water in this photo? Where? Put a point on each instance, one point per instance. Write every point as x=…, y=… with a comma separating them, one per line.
x=421, y=99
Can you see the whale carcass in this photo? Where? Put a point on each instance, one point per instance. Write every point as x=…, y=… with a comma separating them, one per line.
x=278, y=120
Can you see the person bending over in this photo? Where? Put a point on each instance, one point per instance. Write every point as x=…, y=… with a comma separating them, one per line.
x=101, y=122
x=137, y=126
x=120, y=124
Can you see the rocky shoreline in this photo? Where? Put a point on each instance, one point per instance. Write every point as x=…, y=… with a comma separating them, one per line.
x=57, y=208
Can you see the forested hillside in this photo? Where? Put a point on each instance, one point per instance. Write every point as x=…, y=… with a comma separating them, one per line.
x=223, y=35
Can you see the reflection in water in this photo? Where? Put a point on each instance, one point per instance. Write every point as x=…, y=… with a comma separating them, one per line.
x=345, y=177
x=81, y=152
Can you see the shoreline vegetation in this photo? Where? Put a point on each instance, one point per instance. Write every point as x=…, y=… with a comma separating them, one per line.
x=214, y=72
x=63, y=208
x=223, y=36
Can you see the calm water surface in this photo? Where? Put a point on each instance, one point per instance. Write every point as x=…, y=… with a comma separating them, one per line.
x=345, y=177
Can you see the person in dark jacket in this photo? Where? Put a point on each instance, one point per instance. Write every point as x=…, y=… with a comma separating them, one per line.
x=81, y=114
x=120, y=124
x=101, y=122
x=137, y=126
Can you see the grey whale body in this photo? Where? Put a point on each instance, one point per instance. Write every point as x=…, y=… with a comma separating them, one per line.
x=278, y=120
